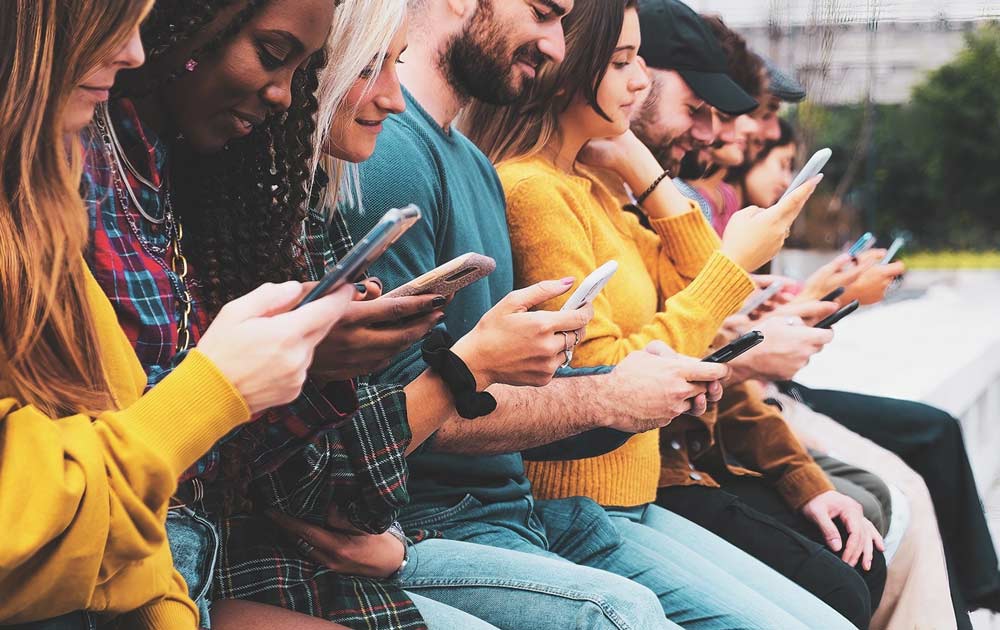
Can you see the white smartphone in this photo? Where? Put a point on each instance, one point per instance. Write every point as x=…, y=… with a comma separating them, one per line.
x=756, y=301
x=893, y=250
x=591, y=286
x=812, y=168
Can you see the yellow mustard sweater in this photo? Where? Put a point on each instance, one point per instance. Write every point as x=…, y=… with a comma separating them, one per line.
x=83, y=500
x=672, y=285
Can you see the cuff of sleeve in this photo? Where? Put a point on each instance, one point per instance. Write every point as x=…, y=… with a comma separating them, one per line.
x=803, y=484
x=166, y=614
x=688, y=239
x=187, y=412
x=722, y=286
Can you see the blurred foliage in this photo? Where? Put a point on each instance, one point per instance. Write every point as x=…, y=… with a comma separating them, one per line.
x=933, y=165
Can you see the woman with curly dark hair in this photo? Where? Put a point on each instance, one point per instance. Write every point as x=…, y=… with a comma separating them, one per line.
x=208, y=157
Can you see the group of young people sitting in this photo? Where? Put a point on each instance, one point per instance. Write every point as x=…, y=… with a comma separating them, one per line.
x=183, y=445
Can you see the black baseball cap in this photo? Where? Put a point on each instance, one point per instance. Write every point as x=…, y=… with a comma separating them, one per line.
x=674, y=37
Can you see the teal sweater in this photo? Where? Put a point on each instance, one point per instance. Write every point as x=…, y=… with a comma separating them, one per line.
x=456, y=187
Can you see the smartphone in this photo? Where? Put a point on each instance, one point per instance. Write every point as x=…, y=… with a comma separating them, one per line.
x=833, y=295
x=351, y=267
x=736, y=348
x=862, y=245
x=756, y=301
x=449, y=278
x=897, y=245
x=587, y=292
x=812, y=168
x=839, y=315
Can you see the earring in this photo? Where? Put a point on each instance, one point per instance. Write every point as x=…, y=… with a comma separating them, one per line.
x=190, y=65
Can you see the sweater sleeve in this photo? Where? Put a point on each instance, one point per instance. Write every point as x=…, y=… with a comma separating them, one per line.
x=83, y=498
x=552, y=237
x=756, y=434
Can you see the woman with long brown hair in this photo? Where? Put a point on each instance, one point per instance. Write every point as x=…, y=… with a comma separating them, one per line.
x=88, y=461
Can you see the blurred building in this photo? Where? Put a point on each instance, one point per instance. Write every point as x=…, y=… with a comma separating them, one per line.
x=844, y=50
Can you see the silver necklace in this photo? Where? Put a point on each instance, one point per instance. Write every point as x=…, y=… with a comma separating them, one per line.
x=107, y=129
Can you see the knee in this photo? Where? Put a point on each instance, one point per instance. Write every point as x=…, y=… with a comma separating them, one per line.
x=622, y=605
x=843, y=589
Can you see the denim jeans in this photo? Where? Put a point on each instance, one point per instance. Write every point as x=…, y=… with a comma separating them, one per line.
x=438, y=616
x=72, y=621
x=673, y=538
x=194, y=544
x=560, y=564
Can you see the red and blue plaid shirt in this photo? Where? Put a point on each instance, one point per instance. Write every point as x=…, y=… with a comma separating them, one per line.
x=306, y=457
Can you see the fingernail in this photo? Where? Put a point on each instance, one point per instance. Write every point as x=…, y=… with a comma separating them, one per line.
x=377, y=282
x=820, y=178
x=438, y=302
x=361, y=288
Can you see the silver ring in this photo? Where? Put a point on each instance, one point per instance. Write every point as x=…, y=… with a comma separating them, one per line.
x=566, y=346
x=791, y=321
x=576, y=337
x=569, y=358
x=304, y=546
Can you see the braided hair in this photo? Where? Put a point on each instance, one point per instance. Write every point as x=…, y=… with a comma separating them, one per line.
x=242, y=208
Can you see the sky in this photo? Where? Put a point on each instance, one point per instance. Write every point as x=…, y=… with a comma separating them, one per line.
x=757, y=12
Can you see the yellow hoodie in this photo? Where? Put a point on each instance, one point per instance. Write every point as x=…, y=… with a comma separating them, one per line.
x=83, y=501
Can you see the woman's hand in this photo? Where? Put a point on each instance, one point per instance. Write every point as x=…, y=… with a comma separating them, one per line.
x=839, y=272
x=755, y=235
x=344, y=549
x=874, y=281
x=862, y=537
x=264, y=348
x=373, y=331
x=788, y=346
x=513, y=345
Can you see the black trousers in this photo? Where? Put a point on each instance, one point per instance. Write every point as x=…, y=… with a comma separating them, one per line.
x=750, y=514
x=930, y=442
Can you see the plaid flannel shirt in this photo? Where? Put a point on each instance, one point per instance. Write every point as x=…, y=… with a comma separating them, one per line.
x=304, y=457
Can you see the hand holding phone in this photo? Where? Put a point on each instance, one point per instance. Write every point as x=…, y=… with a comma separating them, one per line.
x=352, y=266
x=839, y=315
x=736, y=348
x=862, y=245
x=812, y=168
x=897, y=245
x=833, y=295
x=756, y=301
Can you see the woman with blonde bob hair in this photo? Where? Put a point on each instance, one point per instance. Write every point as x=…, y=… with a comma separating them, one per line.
x=88, y=461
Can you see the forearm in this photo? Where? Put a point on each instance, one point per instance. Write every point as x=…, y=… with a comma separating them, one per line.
x=529, y=417
x=665, y=201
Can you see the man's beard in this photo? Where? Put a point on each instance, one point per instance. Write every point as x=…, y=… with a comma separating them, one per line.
x=642, y=126
x=478, y=63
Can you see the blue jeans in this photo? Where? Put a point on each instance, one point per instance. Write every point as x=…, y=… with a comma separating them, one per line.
x=194, y=544
x=560, y=564
x=673, y=538
x=438, y=616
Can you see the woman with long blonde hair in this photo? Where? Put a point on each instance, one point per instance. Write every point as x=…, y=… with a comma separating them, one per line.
x=88, y=461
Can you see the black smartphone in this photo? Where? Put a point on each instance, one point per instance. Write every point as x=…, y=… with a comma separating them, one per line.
x=832, y=295
x=351, y=267
x=839, y=315
x=736, y=348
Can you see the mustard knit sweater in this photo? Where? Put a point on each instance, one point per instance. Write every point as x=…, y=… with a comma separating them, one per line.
x=83, y=500
x=672, y=285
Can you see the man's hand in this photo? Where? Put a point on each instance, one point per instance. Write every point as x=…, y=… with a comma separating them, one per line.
x=345, y=550
x=862, y=537
x=788, y=346
x=374, y=331
x=811, y=313
x=653, y=386
x=839, y=272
